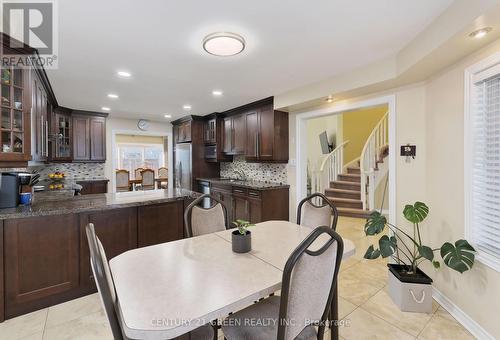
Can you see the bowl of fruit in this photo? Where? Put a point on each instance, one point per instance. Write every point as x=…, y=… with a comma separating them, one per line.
x=56, y=176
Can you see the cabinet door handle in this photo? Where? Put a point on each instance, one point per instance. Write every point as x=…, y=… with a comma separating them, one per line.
x=46, y=138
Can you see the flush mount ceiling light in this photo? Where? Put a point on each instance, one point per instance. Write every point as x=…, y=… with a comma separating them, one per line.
x=124, y=74
x=478, y=34
x=223, y=44
x=187, y=107
x=104, y=108
x=112, y=96
x=217, y=93
x=168, y=116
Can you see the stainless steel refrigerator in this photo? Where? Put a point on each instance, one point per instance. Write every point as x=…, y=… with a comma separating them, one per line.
x=183, y=166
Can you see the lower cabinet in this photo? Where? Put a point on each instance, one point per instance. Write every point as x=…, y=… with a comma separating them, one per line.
x=46, y=259
x=94, y=187
x=160, y=223
x=252, y=205
x=117, y=231
x=41, y=259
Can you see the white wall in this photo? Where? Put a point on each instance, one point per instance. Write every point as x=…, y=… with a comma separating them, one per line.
x=129, y=126
x=431, y=116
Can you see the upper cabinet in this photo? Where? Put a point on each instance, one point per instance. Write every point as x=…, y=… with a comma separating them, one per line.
x=89, y=137
x=15, y=128
x=61, y=135
x=234, y=134
x=257, y=131
x=266, y=135
x=182, y=132
x=213, y=137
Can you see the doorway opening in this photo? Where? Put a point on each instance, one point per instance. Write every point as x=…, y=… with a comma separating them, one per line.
x=347, y=152
x=140, y=162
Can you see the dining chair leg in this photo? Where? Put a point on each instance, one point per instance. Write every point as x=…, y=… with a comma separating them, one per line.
x=334, y=315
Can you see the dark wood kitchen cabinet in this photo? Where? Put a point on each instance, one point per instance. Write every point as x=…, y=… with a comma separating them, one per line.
x=154, y=228
x=182, y=132
x=213, y=137
x=41, y=261
x=89, y=137
x=224, y=194
x=117, y=231
x=266, y=135
x=260, y=205
x=234, y=134
x=210, y=131
x=94, y=186
x=62, y=135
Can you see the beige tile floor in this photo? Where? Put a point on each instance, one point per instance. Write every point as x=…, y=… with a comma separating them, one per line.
x=364, y=306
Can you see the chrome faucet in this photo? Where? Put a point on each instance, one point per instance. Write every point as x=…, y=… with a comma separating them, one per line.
x=242, y=176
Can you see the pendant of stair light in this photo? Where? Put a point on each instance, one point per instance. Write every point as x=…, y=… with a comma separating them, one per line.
x=480, y=33
x=329, y=99
x=223, y=44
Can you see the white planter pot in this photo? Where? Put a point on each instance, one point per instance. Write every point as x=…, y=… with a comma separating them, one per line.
x=410, y=297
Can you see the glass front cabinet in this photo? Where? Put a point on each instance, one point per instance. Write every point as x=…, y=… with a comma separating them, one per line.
x=15, y=116
x=61, y=137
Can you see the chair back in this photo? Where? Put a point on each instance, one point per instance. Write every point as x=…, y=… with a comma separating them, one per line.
x=312, y=215
x=162, y=172
x=148, y=179
x=137, y=173
x=200, y=220
x=122, y=180
x=309, y=281
x=104, y=280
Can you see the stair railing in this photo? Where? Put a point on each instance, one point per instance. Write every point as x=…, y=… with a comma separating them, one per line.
x=330, y=168
x=370, y=156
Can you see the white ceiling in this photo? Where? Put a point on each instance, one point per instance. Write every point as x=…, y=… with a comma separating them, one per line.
x=289, y=44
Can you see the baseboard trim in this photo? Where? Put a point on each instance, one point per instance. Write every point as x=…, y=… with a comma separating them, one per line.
x=472, y=326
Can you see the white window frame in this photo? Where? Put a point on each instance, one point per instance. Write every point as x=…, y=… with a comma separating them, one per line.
x=484, y=66
x=127, y=144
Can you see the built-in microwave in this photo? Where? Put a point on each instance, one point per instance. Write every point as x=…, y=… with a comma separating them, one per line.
x=211, y=152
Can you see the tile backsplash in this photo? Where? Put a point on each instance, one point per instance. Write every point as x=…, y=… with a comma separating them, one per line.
x=267, y=172
x=71, y=170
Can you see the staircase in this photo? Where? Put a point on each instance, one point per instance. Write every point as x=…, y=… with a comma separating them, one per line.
x=345, y=193
x=352, y=188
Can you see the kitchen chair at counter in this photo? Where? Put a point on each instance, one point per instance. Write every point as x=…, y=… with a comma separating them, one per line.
x=306, y=296
x=122, y=180
x=200, y=221
x=312, y=215
x=106, y=288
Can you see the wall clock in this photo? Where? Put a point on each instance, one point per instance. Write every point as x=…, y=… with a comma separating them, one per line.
x=143, y=124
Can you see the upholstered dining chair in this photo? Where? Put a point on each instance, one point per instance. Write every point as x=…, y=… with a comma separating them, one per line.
x=307, y=291
x=200, y=221
x=148, y=179
x=163, y=175
x=106, y=288
x=122, y=180
x=137, y=173
x=312, y=215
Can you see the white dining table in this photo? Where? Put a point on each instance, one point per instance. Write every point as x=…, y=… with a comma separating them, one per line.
x=169, y=289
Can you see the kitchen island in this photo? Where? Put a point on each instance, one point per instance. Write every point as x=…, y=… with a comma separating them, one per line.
x=44, y=251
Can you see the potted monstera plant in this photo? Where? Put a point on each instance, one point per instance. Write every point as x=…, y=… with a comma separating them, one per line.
x=241, y=238
x=409, y=287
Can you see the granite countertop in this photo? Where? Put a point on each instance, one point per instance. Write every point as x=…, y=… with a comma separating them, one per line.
x=257, y=185
x=57, y=203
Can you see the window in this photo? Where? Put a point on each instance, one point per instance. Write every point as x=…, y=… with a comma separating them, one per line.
x=482, y=159
x=133, y=156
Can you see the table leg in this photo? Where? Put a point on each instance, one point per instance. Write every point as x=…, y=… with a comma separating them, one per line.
x=334, y=315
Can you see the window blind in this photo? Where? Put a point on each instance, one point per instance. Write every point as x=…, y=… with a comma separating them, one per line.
x=485, y=167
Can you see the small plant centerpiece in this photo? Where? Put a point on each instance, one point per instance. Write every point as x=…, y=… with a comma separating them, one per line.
x=241, y=237
x=409, y=287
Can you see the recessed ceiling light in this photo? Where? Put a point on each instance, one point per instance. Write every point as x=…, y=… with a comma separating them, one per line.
x=112, y=95
x=478, y=34
x=124, y=74
x=104, y=108
x=223, y=44
x=329, y=99
x=168, y=116
x=217, y=93
x=187, y=107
